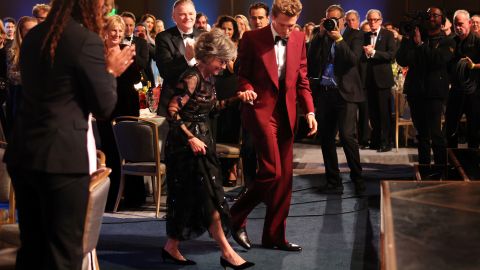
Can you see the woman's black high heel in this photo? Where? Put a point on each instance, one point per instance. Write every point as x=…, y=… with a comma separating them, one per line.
x=224, y=263
x=167, y=256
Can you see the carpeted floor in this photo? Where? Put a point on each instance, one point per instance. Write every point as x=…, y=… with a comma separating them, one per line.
x=336, y=232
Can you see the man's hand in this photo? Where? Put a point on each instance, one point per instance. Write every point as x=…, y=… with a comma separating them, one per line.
x=368, y=50
x=247, y=96
x=417, y=37
x=334, y=34
x=312, y=124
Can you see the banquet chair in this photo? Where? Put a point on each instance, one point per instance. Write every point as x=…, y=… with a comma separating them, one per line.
x=138, y=146
x=400, y=119
x=232, y=150
x=97, y=199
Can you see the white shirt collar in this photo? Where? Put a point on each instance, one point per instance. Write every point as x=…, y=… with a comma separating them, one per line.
x=274, y=32
x=181, y=32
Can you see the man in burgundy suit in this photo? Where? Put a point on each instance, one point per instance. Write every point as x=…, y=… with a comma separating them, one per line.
x=273, y=63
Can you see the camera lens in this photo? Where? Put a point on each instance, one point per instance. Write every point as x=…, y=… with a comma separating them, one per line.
x=330, y=24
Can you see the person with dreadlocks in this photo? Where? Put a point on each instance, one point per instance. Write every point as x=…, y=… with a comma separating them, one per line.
x=66, y=78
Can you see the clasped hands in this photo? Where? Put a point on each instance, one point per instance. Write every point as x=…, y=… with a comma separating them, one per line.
x=117, y=61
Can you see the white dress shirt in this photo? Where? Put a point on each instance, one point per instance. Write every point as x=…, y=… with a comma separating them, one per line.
x=281, y=55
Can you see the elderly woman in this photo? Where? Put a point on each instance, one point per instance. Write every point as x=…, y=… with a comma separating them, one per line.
x=196, y=201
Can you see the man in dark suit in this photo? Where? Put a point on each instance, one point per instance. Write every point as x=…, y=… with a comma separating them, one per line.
x=379, y=53
x=333, y=60
x=51, y=153
x=141, y=46
x=426, y=52
x=174, y=50
x=273, y=64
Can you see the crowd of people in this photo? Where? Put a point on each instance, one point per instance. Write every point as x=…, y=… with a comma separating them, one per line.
x=243, y=78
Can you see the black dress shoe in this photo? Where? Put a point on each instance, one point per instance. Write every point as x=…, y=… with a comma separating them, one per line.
x=331, y=189
x=383, y=149
x=241, y=237
x=286, y=247
x=167, y=256
x=224, y=263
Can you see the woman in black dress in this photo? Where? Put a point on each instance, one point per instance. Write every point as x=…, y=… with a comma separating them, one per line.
x=196, y=201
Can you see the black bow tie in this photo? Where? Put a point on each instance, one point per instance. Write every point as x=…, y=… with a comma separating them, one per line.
x=373, y=33
x=280, y=39
x=184, y=36
x=129, y=38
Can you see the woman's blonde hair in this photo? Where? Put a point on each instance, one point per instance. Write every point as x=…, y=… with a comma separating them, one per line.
x=17, y=43
x=113, y=21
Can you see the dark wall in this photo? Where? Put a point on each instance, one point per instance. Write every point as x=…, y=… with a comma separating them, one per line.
x=313, y=10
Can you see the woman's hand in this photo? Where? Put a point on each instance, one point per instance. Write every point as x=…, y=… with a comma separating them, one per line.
x=119, y=60
x=198, y=147
x=247, y=96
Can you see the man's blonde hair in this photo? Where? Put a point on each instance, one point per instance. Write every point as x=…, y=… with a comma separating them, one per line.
x=290, y=8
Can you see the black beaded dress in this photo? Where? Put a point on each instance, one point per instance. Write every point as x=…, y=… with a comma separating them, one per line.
x=194, y=182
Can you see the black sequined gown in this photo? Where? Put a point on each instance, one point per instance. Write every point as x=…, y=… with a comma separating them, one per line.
x=194, y=182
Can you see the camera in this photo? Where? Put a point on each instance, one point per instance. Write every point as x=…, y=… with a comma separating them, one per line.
x=330, y=24
x=415, y=19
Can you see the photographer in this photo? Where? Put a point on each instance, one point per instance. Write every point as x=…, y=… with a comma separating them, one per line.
x=464, y=96
x=333, y=60
x=426, y=84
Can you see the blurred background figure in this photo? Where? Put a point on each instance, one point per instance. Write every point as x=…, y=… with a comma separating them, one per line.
x=259, y=15
x=476, y=24
x=10, y=25
x=14, y=92
x=352, y=18
x=201, y=22
x=243, y=24
x=308, y=30
x=40, y=12
x=159, y=26
x=447, y=28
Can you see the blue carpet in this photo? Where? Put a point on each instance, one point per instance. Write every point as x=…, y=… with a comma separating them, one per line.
x=336, y=232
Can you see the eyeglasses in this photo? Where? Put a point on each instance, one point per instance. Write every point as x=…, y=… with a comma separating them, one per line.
x=374, y=20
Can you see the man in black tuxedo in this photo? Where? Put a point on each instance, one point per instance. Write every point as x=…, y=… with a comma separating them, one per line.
x=141, y=46
x=51, y=153
x=379, y=53
x=333, y=60
x=174, y=50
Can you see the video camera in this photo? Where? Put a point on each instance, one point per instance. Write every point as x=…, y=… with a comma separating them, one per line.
x=415, y=19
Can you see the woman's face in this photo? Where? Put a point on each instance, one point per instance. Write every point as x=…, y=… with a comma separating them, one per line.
x=114, y=35
x=150, y=23
x=159, y=27
x=241, y=25
x=215, y=65
x=227, y=27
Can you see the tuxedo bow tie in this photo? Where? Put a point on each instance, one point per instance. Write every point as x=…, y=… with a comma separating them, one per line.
x=373, y=33
x=280, y=39
x=184, y=36
x=129, y=38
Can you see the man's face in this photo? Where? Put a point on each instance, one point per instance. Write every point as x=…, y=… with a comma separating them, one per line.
x=435, y=19
x=462, y=25
x=476, y=24
x=447, y=27
x=140, y=32
x=184, y=17
x=129, y=25
x=374, y=21
x=352, y=21
x=284, y=24
x=258, y=18
x=201, y=23
x=10, y=30
x=41, y=15
x=336, y=15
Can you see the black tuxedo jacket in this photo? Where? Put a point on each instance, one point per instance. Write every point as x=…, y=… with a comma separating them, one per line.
x=346, y=62
x=171, y=63
x=379, y=67
x=50, y=131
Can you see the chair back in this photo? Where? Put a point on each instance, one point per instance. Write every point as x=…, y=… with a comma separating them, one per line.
x=97, y=199
x=137, y=139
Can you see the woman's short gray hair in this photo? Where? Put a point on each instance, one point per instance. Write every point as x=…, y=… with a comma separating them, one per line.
x=215, y=44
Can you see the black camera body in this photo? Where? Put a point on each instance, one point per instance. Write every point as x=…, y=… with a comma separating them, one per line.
x=330, y=24
x=416, y=19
